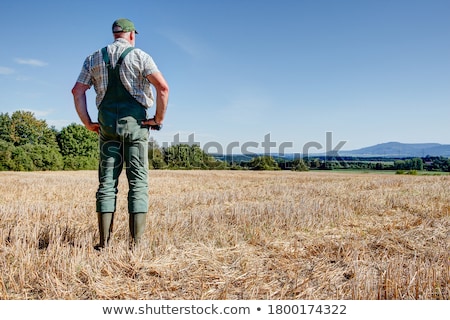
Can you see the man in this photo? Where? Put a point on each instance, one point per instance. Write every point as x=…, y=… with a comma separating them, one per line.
x=122, y=77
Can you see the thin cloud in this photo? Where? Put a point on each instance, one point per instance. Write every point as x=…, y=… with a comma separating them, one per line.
x=31, y=62
x=187, y=44
x=6, y=71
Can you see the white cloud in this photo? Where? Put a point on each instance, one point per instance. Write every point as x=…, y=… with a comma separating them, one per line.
x=60, y=123
x=31, y=62
x=5, y=71
x=39, y=113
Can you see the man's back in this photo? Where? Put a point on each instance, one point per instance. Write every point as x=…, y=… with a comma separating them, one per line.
x=135, y=68
x=123, y=97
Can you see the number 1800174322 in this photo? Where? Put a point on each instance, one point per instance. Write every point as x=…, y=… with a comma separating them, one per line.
x=307, y=309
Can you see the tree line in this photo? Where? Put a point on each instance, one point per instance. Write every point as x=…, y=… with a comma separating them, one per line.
x=29, y=144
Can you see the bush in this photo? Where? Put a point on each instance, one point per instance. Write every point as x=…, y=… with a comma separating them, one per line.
x=77, y=141
x=185, y=156
x=80, y=163
x=263, y=163
x=44, y=157
x=29, y=157
x=299, y=165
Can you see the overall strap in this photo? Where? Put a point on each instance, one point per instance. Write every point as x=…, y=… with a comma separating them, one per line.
x=124, y=53
x=122, y=56
x=106, y=57
x=116, y=91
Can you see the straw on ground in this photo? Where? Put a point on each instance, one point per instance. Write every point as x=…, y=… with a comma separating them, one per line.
x=229, y=235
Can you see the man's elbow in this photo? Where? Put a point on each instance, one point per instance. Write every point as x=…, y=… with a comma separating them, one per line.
x=163, y=90
x=74, y=90
x=79, y=89
x=166, y=90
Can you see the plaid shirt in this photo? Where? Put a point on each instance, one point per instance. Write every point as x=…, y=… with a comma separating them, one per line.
x=135, y=67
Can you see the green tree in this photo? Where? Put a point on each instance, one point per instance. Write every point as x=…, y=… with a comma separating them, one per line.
x=177, y=156
x=26, y=129
x=27, y=143
x=379, y=166
x=417, y=164
x=155, y=155
x=5, y=127
x=263, y=163
x=29, y=157
x=299, y=165
x=184, y=156
x=43, y=157
x=79, y=147
x=21, y=160
x=315, y=163
x=6, y=155
x=400, y=165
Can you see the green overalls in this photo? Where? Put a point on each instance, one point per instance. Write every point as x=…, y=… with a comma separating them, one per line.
x=122, y=140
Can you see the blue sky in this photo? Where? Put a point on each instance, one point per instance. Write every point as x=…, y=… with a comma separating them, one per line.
x=369, y=71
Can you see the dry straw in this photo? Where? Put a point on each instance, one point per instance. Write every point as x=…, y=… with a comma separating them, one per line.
x=229, y=235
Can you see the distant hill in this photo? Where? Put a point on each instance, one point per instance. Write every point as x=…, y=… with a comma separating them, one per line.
x=382, y=150
x=397, y=149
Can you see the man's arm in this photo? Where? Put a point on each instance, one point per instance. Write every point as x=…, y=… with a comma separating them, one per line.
x=162, y=96
x=79, y=98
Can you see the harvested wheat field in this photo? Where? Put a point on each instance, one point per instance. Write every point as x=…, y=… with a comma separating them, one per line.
x=229, y=235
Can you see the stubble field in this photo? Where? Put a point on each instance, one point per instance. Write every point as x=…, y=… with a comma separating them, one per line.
x=229, y=235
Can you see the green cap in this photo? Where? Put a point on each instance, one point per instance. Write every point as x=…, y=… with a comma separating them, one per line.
x=123, y=25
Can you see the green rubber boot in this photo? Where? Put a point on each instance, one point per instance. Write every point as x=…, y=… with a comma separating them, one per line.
x=105, y=227
x=137, y=226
